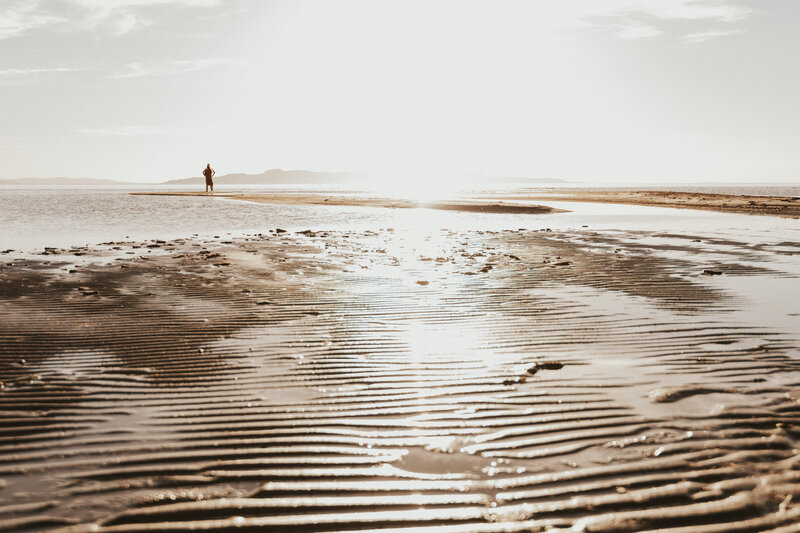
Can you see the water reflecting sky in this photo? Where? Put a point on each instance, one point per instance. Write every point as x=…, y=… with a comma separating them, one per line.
x=33, y=219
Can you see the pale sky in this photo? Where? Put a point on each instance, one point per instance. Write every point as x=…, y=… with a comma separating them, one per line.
x=585, y=90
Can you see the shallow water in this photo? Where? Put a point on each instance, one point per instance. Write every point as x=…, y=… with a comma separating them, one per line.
x=32, y=219
x=739, y=189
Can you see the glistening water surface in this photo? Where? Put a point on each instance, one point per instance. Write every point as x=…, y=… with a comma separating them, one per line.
x=439, y=374
x=32, y=219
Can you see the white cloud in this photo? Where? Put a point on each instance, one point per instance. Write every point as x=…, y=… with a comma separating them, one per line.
x=703, y=36
x=126, y=131
x=633, y=30
x=636, y=19
x=123, y=16
x=124, y=22
x=721, y=10
x=119, y=17
x=13, y=72
x=137, y=70
x=116, y=4
x=22, y=16
x=28, y=75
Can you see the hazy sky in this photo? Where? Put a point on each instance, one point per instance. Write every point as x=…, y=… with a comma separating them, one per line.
x=591, y=90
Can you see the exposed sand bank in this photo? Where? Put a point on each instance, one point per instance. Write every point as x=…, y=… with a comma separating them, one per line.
x=753, y=205
x=341, y=380
x=352, y=201
x=783, y=206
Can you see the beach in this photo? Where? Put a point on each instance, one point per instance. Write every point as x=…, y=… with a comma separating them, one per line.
x=785, y=206
x=500, y=363
x=344, y=200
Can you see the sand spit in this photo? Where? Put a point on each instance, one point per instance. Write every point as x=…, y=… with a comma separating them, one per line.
x=538, y=381
x=783, y=206
x=353, y=201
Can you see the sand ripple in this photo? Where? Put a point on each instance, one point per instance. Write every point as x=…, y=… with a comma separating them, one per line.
x=308, y=382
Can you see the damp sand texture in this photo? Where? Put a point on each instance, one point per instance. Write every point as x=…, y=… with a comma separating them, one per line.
x=463, y=381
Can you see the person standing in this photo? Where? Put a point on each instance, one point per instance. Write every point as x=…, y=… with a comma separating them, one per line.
x=209, y=172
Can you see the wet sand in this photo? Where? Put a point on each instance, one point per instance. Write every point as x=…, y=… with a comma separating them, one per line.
x=472, y=206
x=783, y=206
x=441, y=380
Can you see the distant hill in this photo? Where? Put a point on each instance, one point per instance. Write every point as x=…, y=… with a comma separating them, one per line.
x=44, y=182
x=274, y=176
x=270, y=177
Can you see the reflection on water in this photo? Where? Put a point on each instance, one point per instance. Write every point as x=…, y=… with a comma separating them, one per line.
x=33, y=219
x=211, y=356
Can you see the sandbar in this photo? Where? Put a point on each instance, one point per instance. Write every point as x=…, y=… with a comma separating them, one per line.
x=472, y=206
x=783, y=206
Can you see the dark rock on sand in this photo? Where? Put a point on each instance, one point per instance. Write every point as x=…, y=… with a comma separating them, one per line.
x=545, y=365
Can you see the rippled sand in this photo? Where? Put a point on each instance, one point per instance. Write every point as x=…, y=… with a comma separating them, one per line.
x=518, y=380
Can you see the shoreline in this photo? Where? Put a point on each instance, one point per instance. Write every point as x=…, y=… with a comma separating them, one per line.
x=470, y=206
x=782, y=206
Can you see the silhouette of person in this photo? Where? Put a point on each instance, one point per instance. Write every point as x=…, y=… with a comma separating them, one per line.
x=209, y=172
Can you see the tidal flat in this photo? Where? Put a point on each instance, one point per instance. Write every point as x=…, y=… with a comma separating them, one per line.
x=544, y=373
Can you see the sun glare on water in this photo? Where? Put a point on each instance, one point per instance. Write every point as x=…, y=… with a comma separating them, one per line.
x=423, y=189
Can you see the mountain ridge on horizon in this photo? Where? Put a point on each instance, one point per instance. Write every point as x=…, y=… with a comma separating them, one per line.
x=269, y=177
x=272, y=176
